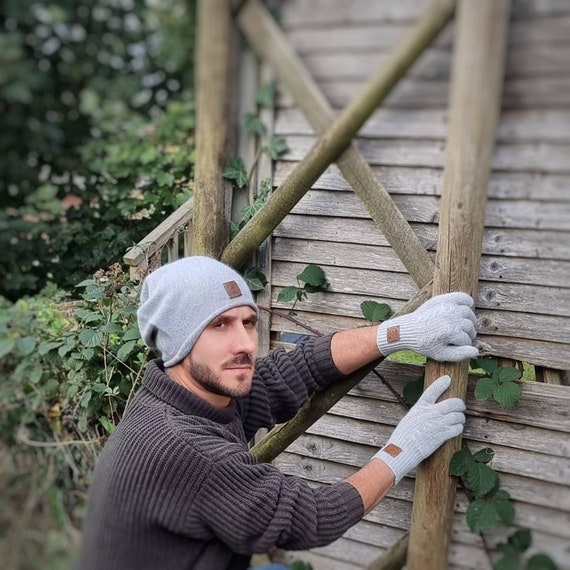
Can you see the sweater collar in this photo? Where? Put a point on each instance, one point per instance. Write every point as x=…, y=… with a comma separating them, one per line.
x=163, y=387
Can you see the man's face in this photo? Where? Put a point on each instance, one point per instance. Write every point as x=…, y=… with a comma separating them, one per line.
x=222, y=360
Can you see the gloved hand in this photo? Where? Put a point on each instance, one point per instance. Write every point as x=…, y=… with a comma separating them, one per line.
x=423, y=429
x=443, y=328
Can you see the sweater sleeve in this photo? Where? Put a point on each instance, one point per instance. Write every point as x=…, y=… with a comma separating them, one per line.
x=284, y=380
x=251, y=507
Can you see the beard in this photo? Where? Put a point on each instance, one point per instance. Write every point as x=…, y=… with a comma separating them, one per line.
x=210, y=381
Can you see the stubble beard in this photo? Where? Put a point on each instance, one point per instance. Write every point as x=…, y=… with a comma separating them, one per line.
x=211, y=382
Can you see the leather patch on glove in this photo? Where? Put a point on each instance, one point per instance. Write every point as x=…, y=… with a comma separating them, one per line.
x=392, y=450
x=393, y=334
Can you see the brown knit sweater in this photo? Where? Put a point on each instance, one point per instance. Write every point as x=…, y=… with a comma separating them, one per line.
x=176, y=487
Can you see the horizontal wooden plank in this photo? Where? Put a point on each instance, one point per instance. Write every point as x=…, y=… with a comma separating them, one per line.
x=541, y=244
x=500, y=296
x=520, y=214
x=550, y=125
x=300, y=13
x=522, y=157
x=540, y=353
x=521, y=93
x=492, y=268
x=358, y=38
x=435, y=63
x=427, y=181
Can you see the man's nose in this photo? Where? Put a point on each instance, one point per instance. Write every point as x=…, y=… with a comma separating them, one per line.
x=245, y=340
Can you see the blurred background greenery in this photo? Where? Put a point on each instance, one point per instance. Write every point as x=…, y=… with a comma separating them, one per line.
x=96, y=148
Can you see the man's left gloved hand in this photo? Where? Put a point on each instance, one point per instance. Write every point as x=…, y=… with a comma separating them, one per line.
x=443, y=329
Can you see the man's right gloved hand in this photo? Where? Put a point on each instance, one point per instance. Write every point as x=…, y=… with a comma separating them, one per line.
x=423, y=429
x=443, y=328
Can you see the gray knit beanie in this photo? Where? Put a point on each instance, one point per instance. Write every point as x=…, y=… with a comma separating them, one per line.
x=179, y=299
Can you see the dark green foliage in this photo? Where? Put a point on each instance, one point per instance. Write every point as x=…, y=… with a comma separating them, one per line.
x=375, y=312
x=500, y=382
x=311, y=280
x=92, y=155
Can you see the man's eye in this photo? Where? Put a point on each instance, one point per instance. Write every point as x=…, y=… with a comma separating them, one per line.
x=219, y=325
x=250, y=324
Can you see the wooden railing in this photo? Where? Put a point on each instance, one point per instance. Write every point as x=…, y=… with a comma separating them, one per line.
x=163, y=243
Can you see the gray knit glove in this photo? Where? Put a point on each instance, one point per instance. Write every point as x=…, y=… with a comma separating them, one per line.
x=443, y=328
x=423, y=429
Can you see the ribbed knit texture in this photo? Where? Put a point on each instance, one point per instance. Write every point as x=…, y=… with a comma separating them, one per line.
x=176, y=487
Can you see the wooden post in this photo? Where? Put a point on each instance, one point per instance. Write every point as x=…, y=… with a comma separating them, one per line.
x=476, y=86
x=211, y=200
x=337, y=137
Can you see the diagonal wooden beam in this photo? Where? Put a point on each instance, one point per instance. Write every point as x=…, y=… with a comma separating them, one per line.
x=475, y=99
x=265, y=36
x=338, y=136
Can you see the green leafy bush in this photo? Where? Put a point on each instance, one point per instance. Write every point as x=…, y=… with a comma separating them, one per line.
x=67, y=371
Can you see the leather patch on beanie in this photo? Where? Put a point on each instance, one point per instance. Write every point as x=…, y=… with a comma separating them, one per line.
x=232, y=289
x=392, y=450
x=393, y=334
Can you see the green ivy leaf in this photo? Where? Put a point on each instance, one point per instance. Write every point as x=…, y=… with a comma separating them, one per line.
x=313, y=275
x=148, y=155
x=236, y=171
x=521, y=540
x=484, y=388
x=508, y=374
x=90, y=337
x=505, y=510
x=288, y=294
x=276, y=147
x=26, y=344
x=255, y=279
x=489, y=365
x=126, y=349
x=508, y=394
x=510, y=559
x=481, y=515
x=6, y=346
x=46, y=347
x=540, y=562
x=266, y=95
x=484, y=455
x=374, y=311
x=481, y=478
x=253, y=124
x=460, y=462
x=107, y=424
x=412, y=391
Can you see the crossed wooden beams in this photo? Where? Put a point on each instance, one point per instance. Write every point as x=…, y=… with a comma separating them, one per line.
x=477, y=78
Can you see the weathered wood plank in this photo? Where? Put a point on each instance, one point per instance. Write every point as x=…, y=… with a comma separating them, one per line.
x=514, y=126
x=359, y=38
x=525, y=157
x=522, y=214
x=492, y=268
x=435, y=63
x=508, y=242
x=327, y=13
x=520, y=93
x=503, y=296
x=427, y=181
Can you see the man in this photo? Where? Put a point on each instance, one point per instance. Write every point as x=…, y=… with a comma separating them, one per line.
x=176, y=487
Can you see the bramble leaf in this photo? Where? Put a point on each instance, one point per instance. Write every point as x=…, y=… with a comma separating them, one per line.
x=374, y=311
x=487, y=364
x=481, y=515
x=484, y=455
x=288, y=294
x=460, y=462
x=508, y=394
x=508, y=374
x=484, y=388
x=481, y=478
x=540, y=562
x=521, y=540
x=313, y=275
x=413, y=390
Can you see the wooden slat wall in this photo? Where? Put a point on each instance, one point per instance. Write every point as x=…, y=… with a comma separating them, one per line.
x=523, y=302
x=524, y=291
x=532, y=455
